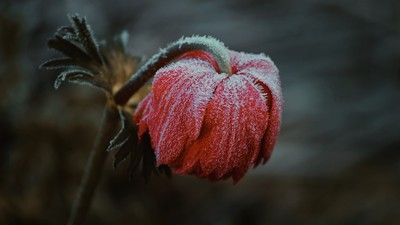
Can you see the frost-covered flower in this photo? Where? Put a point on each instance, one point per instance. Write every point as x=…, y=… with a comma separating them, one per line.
x=210, y=124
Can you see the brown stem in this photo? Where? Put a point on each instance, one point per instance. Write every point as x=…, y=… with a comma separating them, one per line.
x=211, y=45
x=94, y=166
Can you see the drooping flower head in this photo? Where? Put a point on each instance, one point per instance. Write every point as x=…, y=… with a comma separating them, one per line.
x=211, y=124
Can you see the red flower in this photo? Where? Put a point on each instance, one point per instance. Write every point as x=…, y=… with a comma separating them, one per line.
x=209, y=124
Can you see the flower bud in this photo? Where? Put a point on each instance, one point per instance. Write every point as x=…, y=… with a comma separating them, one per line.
x=210, y=124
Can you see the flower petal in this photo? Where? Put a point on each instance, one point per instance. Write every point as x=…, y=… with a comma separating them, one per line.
x=181, y=93
x=261, y=68
x=142, y=114
x=234, y=125
x=264, y=73
x=271, y=134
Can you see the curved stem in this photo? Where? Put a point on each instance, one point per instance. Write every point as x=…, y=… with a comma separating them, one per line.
x=94, y=166
x=166, y=55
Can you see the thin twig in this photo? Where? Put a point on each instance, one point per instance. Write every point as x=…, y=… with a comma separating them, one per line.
x=94, y=166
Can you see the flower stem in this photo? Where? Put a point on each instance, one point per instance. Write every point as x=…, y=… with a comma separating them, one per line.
x=94, y=166
x=168, y=54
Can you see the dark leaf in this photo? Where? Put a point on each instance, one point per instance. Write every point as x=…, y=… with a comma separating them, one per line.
x=86, y=38
x=88, y=82
x=141, y=154
x=123, y=134
x=135, y=159
x=149, y=158
x=68, y=48
x=67, y=33
x=123, y=152
x=75, y=76
x=109, y=61
x=62, y=63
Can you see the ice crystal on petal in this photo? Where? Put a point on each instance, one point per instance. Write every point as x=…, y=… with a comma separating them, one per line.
x=182, y=92
x=231, y=136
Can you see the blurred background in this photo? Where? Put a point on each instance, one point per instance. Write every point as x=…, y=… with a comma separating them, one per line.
x=337, y=160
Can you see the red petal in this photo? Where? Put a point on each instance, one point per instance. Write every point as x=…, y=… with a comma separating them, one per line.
x=264, y=72
x=142, y=113
x=235, y=121
x=181, y=93
x=261, y=68
x=271, y=134
x=203, y=55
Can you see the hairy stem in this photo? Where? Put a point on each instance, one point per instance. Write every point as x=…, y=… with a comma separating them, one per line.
x=171, y=52
x=94, y=166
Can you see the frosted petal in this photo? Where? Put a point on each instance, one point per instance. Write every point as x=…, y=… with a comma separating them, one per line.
x=235, y=121
x=271, y=134
x=261, y=68
x=181, y=93
x=264, y=73
x=143, y=113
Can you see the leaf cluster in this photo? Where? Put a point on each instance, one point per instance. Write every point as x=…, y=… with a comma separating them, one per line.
x=106, y=65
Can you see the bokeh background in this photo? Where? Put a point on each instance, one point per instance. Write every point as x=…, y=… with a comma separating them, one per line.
x=337, y=160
